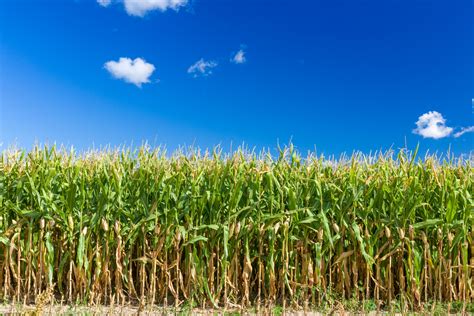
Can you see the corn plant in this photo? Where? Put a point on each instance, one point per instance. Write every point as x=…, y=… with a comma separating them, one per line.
x=240, y=229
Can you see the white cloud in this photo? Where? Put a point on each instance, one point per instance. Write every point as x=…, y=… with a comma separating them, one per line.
x=104, y=3
x=432, y=125
x=239, y=57
x=136, y=71
x=202, y=68
x=463, y=131
x=141, y=7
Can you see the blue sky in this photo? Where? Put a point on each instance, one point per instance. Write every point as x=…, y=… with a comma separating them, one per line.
x=333, y=75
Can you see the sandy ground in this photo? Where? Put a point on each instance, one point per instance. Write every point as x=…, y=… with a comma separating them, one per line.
x=130, y=310
x=133, y=310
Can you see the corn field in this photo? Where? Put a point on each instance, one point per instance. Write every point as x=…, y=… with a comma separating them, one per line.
x=241, y=229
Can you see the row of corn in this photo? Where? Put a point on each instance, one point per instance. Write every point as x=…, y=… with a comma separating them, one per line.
x=242, y=229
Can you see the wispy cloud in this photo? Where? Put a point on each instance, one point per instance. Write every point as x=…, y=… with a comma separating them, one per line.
x=239, y=57
x=141, y=7
x=104, y=3
x=136, y=71
x=432, y=125
x=463, y=131
x=202, y=68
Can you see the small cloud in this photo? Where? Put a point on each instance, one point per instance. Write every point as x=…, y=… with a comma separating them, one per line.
x=136, y=71
x=432, y=125
x=142, y=7
x=202, y=68
x=463, y=131
x=239, y=57
x=104, y=3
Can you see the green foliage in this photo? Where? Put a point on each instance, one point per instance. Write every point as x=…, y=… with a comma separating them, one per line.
x=209, y=229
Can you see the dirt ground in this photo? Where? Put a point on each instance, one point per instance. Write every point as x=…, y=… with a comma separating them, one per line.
x=134, y=310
